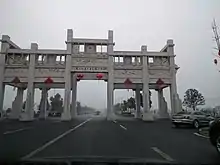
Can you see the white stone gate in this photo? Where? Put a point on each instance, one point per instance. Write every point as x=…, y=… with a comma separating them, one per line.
x=88, y=59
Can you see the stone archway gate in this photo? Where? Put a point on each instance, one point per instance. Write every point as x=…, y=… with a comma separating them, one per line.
x=88, y=57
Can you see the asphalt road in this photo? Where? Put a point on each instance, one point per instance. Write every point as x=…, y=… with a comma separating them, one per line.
x=95, y=137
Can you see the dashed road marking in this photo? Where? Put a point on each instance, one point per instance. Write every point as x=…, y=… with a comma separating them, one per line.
x=54, y=140
x=17, y=130
x=161, y=153
x=197, y=134
x=122, y=127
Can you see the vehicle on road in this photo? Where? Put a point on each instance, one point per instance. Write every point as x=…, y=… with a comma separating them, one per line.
x=214, y=134
x=97, y=113
x=196, y=119
x=54, y=114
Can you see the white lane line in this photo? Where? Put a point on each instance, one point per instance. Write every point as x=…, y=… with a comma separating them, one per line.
x=17, y=130
x=53, y=140
x=161, y=153
x=197, y=134
x=122, y=127
x=115, y=121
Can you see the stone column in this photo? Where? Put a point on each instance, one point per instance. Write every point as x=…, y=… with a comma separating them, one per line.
x=66, y=111
x=43, y=103
x=147, y=115
x=74, y=95
x=17, y=104
x=110, y=83
x=160, y=99
x=2, y=100
x=173, y=87
x=4, y=48
x=138, y=102
x=28, y=115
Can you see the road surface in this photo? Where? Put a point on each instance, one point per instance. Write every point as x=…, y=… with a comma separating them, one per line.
x=95, y=136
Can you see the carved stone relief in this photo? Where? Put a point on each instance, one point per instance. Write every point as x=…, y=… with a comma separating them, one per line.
x=159, y=73
x=12, y=72
x=53, y=72
x=16, y=59
x=89, y=62
x=128, y=73
x=161, y=61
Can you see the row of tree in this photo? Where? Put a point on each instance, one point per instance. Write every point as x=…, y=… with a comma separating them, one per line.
x=192, y=99
x=130, y=103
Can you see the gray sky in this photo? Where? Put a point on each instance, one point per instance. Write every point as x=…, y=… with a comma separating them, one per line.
x=135, y=23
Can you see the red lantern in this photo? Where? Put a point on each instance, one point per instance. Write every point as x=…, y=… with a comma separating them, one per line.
x=49, y=80
x=215, y=61
x=15, y=81
x=128, y=83
x=160, y=83
x=99, y=76
x=79, y=76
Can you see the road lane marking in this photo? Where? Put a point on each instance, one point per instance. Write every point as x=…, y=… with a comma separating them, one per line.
x=122, y=127
x=161, y=153
x=17, y=130
x=197, y=134
x=53, y=140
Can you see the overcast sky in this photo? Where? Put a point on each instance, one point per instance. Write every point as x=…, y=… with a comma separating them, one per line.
x=135, y=23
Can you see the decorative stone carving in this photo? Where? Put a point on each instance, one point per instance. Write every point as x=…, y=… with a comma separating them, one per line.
x=52, y=72
x=128, y=73
x=89, y=62
x=160, y=61
x=159, y=73
x=16, y=59
x=16, y=72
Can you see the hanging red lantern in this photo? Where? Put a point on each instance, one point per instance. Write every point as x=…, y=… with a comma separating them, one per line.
x=16, y=81
x=128, y=83
x=49, y=80
x=215, y=61
x=99, y=76
x=160, y=83
x=79, y=76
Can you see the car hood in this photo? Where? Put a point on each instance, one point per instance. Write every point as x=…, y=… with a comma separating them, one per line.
x=96, y=159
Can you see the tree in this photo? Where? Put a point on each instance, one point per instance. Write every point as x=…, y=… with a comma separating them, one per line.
x=192, y=98
x=131, y=102
x=56, y=103
x=78, y=107
x=141, y=98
